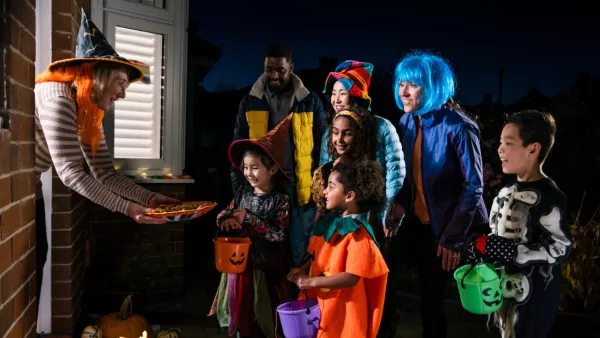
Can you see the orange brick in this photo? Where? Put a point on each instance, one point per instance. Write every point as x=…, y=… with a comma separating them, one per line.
x=11, y=220
x=27, y=46
x=20, y=243
x=20, y=186
x=28, y=210
x=63, y=41
x=60, y=55
x=17, y=331
x=62, y=6
x=10, y=282
x=6, y=318
x=5, y=256
x=21, y=301
x=4, y=153
x=18, y=68
x=5, y=187
x=24, y=13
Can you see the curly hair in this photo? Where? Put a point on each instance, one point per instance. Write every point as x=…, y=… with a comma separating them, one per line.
x=364, y=146
x=365, y=179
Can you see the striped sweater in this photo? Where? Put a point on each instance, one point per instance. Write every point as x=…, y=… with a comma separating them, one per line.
x=57, y=143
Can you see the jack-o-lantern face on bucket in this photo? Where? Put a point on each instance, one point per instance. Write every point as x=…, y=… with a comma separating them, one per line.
x=491, y=297
x=237, y=260
x=231, y=254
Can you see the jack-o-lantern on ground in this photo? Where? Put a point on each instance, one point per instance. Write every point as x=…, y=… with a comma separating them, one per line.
x=124, y=323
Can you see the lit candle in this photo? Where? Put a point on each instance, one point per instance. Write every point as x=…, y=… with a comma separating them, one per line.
x=144, y=335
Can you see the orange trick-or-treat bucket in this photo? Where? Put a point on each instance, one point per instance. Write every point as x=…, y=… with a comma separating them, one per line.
x=231, y=254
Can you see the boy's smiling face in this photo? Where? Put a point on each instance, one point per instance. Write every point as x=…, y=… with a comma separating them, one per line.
x=515, y=157
x=335, y=197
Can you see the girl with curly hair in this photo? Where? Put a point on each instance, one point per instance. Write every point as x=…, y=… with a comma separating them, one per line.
x=347, y=273
x=352, y=140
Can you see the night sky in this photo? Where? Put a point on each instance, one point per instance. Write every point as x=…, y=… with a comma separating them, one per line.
x=537, y=51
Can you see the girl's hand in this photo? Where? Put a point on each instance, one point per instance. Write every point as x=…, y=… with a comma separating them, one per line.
x=240, y=215
x=230, y=223
x=304, y=281
x=292, y=276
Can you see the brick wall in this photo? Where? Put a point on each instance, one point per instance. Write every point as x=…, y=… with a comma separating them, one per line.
x=70, y=227
x=17, y=176
x=119, y=245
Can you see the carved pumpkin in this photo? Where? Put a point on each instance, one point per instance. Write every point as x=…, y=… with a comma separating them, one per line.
x=124, y=323
x=231, y=254
x=171, y=333
x=91, y=331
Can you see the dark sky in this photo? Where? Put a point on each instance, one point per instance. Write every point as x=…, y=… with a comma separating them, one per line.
x=537, y=51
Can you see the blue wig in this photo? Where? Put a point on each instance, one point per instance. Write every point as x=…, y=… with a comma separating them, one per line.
x=430, y=72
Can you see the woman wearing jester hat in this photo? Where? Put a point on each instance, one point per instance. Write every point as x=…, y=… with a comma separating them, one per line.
x=348, y=88
x=70, y=99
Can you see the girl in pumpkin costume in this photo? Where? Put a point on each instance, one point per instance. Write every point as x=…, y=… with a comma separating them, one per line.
x=245, y=303
x=347, y=273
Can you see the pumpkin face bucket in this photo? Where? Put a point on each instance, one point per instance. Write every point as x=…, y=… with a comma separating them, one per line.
x=480, y=288
x=231, y=254
x=233, y=260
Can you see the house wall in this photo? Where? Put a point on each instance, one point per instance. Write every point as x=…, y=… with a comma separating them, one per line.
x=17, y=175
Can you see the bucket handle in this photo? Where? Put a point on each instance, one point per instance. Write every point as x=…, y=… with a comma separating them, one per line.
x=462, y=280
x=307, y=306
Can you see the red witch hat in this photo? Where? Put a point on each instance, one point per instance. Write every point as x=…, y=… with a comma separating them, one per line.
x=273, y=144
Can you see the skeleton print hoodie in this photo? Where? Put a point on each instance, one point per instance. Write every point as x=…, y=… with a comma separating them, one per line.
x=530, y=238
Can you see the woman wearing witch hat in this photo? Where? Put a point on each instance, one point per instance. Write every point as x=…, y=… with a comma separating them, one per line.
x=70, y=99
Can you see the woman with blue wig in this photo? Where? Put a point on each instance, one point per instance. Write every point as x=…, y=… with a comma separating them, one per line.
x=442, y=192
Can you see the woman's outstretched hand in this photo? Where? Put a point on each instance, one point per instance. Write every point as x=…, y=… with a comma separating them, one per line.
x=136, y=212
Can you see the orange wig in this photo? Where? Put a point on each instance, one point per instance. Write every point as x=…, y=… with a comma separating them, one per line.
x=89, y=116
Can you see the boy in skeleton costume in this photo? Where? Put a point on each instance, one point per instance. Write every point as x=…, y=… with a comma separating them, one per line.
x=530, y=234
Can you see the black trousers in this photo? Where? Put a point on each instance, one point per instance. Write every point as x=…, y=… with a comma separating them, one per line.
x=536, y=317
x=41, y=245
x=415, y=245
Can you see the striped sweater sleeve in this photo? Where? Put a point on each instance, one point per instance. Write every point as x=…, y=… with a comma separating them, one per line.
x=57, y=118
x=103, y=169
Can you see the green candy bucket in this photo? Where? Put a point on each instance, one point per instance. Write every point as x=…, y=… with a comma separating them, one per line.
x=480, y=288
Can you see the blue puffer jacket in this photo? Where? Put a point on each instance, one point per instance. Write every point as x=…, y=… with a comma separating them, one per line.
x=389, y=154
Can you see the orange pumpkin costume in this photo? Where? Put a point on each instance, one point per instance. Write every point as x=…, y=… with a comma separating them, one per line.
x=347, y=244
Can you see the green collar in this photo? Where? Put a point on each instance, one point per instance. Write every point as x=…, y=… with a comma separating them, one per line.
x=342, y=224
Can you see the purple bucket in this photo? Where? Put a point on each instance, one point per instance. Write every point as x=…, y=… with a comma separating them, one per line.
x=295, y=322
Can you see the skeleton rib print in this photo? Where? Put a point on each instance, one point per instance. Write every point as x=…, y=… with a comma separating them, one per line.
x=510, y=218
